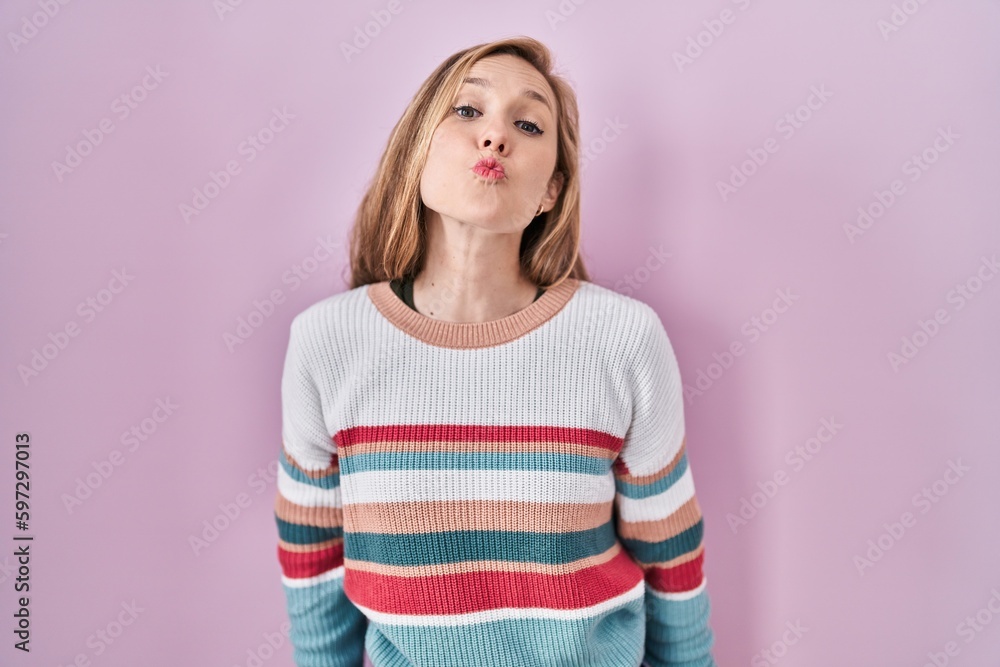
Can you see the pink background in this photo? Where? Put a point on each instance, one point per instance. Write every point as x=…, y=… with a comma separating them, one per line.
x=660, y=138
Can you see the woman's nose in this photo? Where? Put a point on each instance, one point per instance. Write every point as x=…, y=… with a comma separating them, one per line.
x=488, y=142
x=495, y=136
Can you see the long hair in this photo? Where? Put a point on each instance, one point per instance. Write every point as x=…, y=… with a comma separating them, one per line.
x=388, y=240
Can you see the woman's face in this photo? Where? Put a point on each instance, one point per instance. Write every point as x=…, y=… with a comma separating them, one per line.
x=493, y=117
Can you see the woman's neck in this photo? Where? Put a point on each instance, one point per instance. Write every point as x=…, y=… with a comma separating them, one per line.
x=452, y=299
x=470, y=274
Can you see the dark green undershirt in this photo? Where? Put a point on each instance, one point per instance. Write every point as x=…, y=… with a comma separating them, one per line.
x=404, y=290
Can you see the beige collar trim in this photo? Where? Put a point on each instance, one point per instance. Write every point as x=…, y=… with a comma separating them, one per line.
x=467, y=335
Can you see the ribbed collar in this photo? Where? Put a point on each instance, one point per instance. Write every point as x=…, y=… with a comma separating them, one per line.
x=468, y=335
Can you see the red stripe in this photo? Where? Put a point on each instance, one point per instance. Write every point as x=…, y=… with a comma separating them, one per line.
x=304, y=564
x=684, y=577
x=477, y=591
x=476, y=433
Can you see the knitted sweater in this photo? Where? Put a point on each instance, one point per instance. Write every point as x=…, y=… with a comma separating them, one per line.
x=506, y=493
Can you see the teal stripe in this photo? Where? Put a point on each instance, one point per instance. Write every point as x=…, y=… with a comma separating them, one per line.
x=630, y=490
x=657, y=552
x=326, y=629
x=679, y=631
x=328, y=482
x=546, y=461
x=304, y=534
x=612, y=638
x=462, y=545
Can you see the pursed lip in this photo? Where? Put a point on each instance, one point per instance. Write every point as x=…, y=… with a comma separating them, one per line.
x=489, y=167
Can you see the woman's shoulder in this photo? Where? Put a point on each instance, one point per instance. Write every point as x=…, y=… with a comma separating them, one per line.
x=633, y=329
x=331, y=315
x=334, y=302
x=629, y=313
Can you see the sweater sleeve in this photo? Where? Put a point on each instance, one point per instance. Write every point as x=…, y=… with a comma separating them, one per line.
x=658, y=519
x=327, y=630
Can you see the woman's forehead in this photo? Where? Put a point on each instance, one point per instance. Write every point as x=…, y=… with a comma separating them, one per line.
x=496, y=68
x=510, y=71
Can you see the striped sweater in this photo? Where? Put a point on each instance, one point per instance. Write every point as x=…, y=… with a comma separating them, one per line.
x=506, y=493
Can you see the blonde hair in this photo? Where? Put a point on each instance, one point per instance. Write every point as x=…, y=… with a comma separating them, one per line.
x=388, y=240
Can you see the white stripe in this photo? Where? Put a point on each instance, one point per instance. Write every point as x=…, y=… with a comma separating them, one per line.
x=449, y=620
x=395, y=486
x=305, y=582
x=659, y=506
x=683, y=595
x=475, y=386
x=304, y=494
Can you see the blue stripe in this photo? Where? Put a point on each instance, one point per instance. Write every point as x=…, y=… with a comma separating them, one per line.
x=295, y=533
x=679, y=632
x=658, y=552
x=611, y=638
x=545, y=461
x=462, y=545
x=630, y=490
x=329, y=482
x=326, y=629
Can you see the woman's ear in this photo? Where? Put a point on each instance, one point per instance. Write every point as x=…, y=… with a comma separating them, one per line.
x=555, y=188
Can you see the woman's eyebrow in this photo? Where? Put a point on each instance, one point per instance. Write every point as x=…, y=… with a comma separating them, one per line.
x=527, y=92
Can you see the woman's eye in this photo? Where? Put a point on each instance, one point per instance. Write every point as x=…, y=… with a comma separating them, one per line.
x=535, y=129
x=458, y=110
x=531, y=129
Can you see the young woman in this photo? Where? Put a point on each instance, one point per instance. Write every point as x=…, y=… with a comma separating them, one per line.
x=483, y=457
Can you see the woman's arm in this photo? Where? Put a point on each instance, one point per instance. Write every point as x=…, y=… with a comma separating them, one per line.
x=327, y=630
x=658, y=519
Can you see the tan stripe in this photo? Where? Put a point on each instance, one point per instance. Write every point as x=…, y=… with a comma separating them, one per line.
x=306, y=548
x=686, y=516
x=322, y=517
x=435, y=516
x=476, y=446
x=313, y=474
x=483, y=565
x=465, y=335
